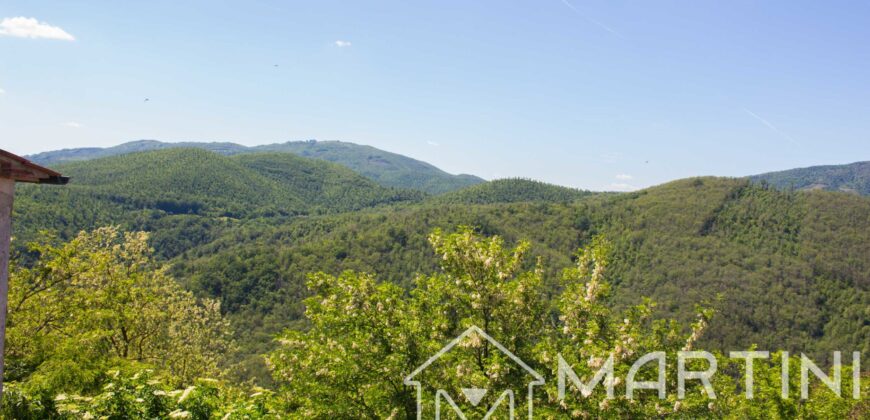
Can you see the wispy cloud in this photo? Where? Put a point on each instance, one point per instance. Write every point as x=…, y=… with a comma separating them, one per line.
x=621, y=186
x=770, y=125
x=342, y=44
x=432, y=143
x=2, y=91
x=73, y=124
x=24, y=27
x=624, y=177
x=592, y=21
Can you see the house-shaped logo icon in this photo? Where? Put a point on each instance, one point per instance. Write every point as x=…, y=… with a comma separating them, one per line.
x=473, y=395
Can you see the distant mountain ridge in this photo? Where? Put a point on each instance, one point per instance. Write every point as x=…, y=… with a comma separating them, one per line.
x=851, y=178
x=386, y=168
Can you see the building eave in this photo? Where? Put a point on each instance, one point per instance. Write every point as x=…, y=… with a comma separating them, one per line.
x=20, y=169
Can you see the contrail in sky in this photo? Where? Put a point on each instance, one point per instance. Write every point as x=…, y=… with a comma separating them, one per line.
x=769, y=125
x=592, y=21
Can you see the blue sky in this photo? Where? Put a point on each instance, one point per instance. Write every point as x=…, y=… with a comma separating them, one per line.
x=604, y=95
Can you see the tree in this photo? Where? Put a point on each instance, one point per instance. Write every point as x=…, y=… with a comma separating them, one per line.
x=365, y=336
x=100, y=301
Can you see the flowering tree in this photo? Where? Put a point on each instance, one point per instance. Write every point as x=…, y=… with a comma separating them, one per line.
x=365, y=336
x=100, y=301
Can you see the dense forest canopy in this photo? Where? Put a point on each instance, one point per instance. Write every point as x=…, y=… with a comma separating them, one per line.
x=781, y=270
x=186, y=196
x=99, y=330
x=785, y=270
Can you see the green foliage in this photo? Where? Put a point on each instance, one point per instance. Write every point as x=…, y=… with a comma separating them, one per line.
x=182, y=181
x=784, y=270
x=259, y=273
x=187, y=196
x=372, y=334
x=100, y=326
x=324, y=187
x=142, y=395
x=784, y=267
x=366, y=336
x=100, y=301
x=192, y=181
x=98, y=330
x=767, y=401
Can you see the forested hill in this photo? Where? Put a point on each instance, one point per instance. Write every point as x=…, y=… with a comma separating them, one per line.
x=511, y=190
x=851, y=178
x=186, y=196
x=387, y=169
x=783, y=270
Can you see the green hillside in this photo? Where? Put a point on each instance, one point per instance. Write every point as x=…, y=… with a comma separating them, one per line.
x=323, y=186
x=511, y=190
x=784, y=270
x=184, y=181
x=385, y=168
x=185, y=196
x=852, y=178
